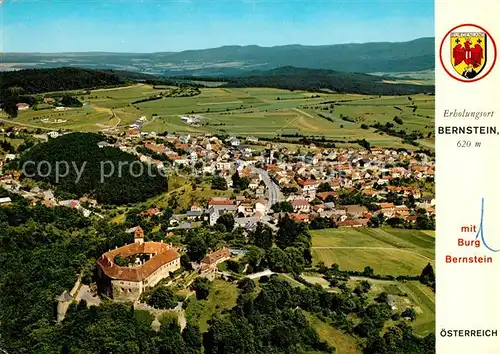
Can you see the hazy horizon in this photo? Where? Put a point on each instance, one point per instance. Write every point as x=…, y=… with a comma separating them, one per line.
x=222, y=46
x=150, y=26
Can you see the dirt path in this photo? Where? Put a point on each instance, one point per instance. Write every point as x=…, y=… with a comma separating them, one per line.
x=25, y=124
x=117, y=88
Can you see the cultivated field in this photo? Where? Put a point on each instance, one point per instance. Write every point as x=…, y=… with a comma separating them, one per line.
x=387, y=251
x=263, y=112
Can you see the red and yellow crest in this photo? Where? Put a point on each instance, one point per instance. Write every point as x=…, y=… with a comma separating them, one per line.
x=468, y=53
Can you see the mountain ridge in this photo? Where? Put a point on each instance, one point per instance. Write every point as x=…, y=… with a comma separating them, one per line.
x=414, y=55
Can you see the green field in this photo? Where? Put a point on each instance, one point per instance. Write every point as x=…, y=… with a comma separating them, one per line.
x=263, y=112
x=386, y=250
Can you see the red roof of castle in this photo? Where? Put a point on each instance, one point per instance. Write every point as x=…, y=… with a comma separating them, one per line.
x=162, y=255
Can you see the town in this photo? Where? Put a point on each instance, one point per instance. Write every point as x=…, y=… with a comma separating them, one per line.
x=305, y=182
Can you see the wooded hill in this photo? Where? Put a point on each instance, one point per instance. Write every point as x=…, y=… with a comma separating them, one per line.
x=292, y=78
x=78, y=149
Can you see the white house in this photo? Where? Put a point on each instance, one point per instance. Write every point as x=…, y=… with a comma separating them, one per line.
x=53, y=134
x=261, y=207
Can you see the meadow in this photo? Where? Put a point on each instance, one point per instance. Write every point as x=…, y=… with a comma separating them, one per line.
x=222, y=296
x=262, y=112
x=388, y=251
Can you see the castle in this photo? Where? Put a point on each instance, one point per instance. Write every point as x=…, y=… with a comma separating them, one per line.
x=147, y=263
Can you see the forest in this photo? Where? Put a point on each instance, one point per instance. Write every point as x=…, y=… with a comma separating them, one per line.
x=43, y=251
x=76, y=166
x=317, y=80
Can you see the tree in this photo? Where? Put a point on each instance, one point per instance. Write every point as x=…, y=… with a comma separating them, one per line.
x=196, y=248
x=247, y=285
x=285, y=207
x=234, y=266
x=277, y=260
x=398, y=120
x=382, y=298
x=409, y=312
x=202, y=288
x=295, y=259
x=374, y=221
x=219, y=183
x=324, y=187
x=262, y=236
x=162, y=298
x=368, y=271
x=256, y=258
x=427, y=276
x=186, y=262
x=227, y=220
x=192, y=336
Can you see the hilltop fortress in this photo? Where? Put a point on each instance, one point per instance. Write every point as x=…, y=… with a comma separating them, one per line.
x=141, y=265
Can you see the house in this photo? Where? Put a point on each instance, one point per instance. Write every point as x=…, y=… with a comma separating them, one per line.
x=209, y=263
x=223, y=202
x=260, y=207
x=48, y=100
x=190, y=119
x=150, y=212
x=53, y=134
x=301, y=205
x=196, y=207
x=355, y=211
x=22, y=106
x=219, y=207
x=184, y=139
x=5, y=201
x=353, y=223
x=308, y=188
x=134, y=132
x=194, y=214
x=391, y=301
x=234, y=141
x=301, y=218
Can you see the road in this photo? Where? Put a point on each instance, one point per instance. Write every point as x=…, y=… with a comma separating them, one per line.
x=266, y=272
x=274, y=192
x=25, y=124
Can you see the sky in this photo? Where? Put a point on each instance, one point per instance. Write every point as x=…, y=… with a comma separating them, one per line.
x=146, y=26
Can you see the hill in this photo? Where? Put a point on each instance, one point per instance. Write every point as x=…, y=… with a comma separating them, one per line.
x=103, y=173
x=292, y=78
x=32, y=81
x=415, y=55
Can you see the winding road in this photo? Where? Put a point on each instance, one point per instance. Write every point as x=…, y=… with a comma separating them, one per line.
x=273, y=189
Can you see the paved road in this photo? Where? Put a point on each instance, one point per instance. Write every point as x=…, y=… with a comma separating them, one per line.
x=266, y=272
x=273, y=189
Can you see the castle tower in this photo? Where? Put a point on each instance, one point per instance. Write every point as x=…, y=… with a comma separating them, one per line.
x=139, y=235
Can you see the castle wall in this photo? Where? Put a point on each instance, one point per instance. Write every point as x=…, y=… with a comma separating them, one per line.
x=162, y=272
x=126, y=290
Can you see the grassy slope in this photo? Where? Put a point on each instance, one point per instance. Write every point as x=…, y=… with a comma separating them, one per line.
x=344, y=343
x=222, y=296
x=387, y=250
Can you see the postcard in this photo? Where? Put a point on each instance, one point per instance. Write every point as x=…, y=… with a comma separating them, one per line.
x=249, y=177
